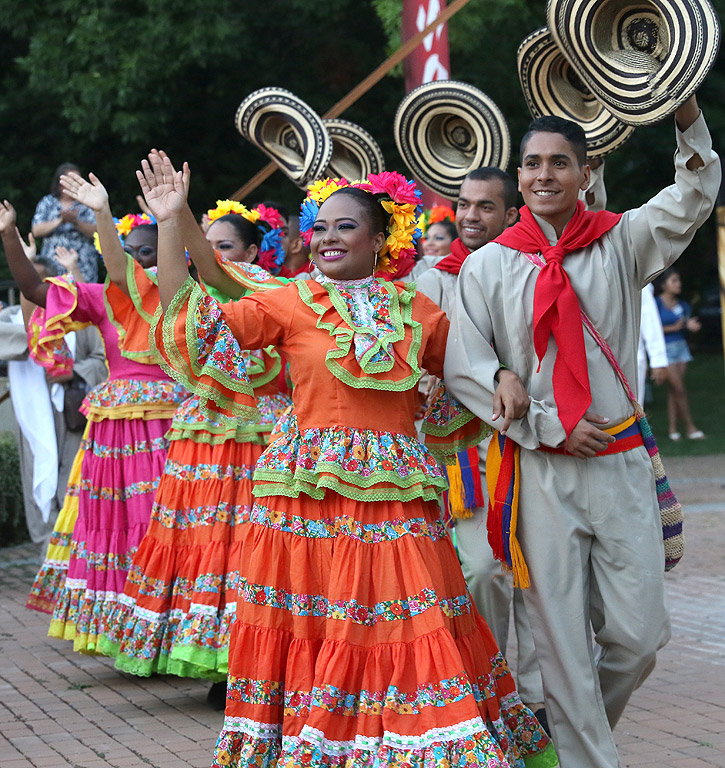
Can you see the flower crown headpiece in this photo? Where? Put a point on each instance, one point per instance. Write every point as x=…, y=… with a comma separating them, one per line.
x=268, y=221
x=434, y=215
x=399, y=198
x=124, y=225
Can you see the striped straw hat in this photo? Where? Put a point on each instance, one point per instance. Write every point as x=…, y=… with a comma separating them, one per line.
x=642, y=58
x=355, y=153
x=445, y=129
x=552, y=87
x=288, y=131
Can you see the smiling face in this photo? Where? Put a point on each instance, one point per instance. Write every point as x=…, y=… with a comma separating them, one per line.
x=141, y=243
x=437, y=240
x=550, y=178
x=343, y=242
x=481, y=213
x=224, y=238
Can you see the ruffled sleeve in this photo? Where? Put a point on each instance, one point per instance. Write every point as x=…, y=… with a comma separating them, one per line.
x=249, y=276
x=450, y=427
x=133, y=314
x=64, y=312
x=196, y=341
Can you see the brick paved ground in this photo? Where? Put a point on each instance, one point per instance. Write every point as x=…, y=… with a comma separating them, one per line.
x=59, y=708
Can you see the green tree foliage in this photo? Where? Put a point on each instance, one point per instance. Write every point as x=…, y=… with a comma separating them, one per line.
x=100, y=82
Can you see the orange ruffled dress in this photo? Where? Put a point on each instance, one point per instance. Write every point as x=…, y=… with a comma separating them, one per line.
x=356, y=642
x=179, y=600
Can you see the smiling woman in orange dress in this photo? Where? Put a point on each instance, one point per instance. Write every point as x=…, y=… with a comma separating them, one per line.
x=356, y=642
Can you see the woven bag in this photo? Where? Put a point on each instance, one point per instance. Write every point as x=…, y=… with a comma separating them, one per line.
x=670, y=508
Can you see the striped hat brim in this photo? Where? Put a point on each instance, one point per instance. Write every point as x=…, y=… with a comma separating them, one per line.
x=355, y=153
x=288, y=131
x=642, y=58
x=551, y=86
x=445, y=129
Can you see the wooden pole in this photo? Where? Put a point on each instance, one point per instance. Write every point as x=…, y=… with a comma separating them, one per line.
x=362, y=87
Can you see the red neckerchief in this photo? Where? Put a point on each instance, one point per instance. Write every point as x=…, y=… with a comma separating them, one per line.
x=556, y=307
x=454, y=261
x=302, y=269
x=403, y=267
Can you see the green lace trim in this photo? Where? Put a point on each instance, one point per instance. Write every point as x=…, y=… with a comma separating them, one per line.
x=445, y=452
x=443, y=430
x=401, y=314
x=320, y=485
x=209, y=435
x=178, y=366
x=208, y=663
x=546, y=758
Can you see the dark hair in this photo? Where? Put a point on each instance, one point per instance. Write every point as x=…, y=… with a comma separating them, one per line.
x=281, y=209
x=378, y=217
x=449, y=227
x=572, y=132
x=246, y=231
x=62, y=169
x=492, y=173
x=152, y=227
x=663, y=277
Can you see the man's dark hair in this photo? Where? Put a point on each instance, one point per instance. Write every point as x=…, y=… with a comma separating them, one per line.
x=492, y=173
x=572, y=132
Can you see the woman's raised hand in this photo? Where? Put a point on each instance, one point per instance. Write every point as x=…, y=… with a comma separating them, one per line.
x=7, y=217
x=162, y=187
x=90, y=193
x=29, y=249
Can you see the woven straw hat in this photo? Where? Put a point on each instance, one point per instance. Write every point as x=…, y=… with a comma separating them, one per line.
x=445, y=129
x=642, y=58
x=288, y=131
x=552, y=87
x=355, y=153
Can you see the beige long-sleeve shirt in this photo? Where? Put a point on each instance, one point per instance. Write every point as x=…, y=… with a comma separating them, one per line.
x=493, y=317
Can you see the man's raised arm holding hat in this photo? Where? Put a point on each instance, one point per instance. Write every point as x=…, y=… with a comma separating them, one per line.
x=588, y=520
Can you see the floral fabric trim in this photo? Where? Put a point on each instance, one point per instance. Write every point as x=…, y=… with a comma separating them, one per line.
x=192, y=422
x=356, y=463
x=195, y=517
x=130, y=449
x=345, y=525
x=109, y=493
x=300, y=604
x=119, y=398
x=450, y=427
x=392, y=312
x=212, y=363
x=463, y=744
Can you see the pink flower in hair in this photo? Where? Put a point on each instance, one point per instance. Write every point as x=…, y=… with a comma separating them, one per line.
x=270, y=215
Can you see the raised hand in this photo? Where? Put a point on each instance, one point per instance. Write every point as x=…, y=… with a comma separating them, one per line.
x=185, y=170
x=7, y=217
x=90, y=193
x=162, y=187
x=29, y=248
x=67, y=257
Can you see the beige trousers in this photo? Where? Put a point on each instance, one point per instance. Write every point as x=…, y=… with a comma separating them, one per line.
x=591, y=536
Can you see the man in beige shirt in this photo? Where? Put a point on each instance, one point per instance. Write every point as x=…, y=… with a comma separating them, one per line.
x=589, y=524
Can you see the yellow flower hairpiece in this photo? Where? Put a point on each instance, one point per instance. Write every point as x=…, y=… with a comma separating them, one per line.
x=224, y=207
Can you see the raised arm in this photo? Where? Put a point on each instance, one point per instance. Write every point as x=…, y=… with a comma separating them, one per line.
x=93, y=194
x=195, y=242
x=165, y=194
x=23, y=271
x=654, y=235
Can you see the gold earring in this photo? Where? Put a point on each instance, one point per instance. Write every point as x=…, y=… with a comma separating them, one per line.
x=375, y=262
